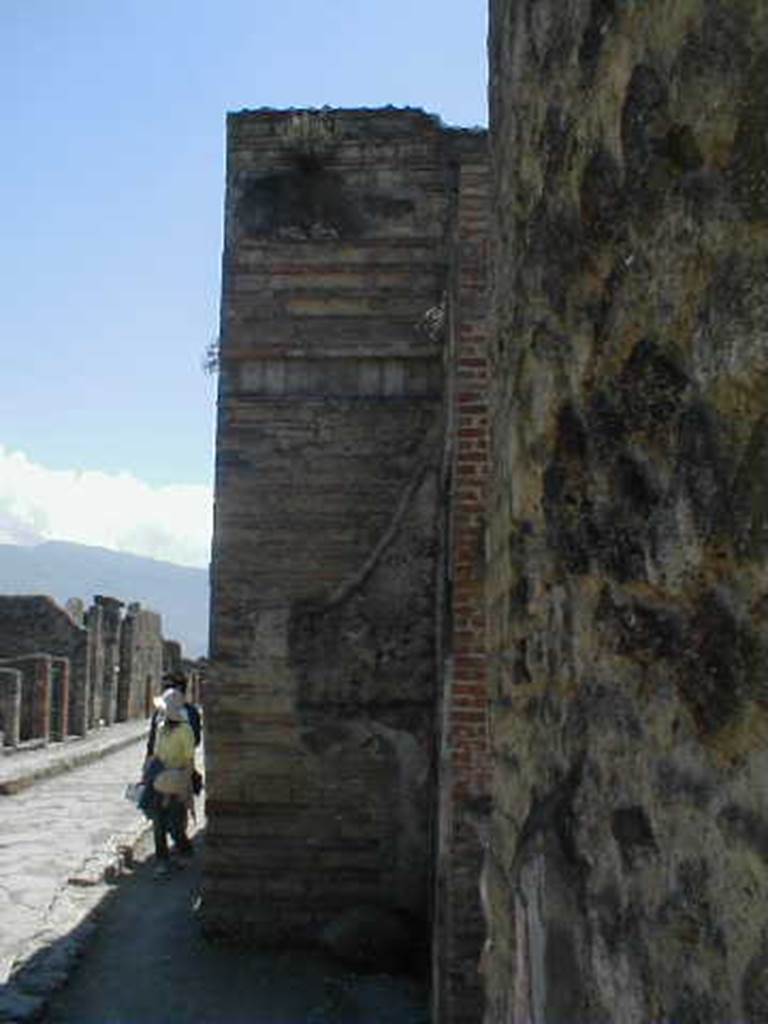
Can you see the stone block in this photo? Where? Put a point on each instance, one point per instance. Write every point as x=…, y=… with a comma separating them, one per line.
x=10, y=705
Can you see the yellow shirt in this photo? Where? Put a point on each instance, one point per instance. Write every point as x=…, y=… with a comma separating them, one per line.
x=175, y=746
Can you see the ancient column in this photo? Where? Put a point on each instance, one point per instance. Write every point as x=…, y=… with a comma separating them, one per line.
x=10, y=705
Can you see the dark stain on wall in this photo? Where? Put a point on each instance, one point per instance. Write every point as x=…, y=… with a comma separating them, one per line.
x=307, y=201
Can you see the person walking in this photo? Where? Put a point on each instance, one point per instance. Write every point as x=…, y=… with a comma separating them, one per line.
x=169, y=773
x=176, y=681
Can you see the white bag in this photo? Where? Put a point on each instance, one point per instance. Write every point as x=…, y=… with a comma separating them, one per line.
x=134, y=791
x=173, y=782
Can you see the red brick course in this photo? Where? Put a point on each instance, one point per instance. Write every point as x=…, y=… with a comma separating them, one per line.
x=466, y=755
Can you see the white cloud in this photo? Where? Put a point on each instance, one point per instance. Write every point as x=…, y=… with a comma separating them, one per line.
x=116, y=511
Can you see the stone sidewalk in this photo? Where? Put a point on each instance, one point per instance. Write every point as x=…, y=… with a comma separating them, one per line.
x=19, y=770
x=151, y=964
x=76, y=865
x=66, y=830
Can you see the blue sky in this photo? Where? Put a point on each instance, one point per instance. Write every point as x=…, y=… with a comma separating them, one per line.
x=111, y=186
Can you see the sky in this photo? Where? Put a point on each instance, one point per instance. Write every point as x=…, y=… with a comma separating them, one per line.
x=111, y=197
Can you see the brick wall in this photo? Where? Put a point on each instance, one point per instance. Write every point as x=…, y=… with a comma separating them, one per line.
x=90, y=712
x=59, y=717
x=35, y=703
x=459, y=930
x=105, y=690
x=141, y=662
x=320, y=705
x=30, y=624
x=10, y=706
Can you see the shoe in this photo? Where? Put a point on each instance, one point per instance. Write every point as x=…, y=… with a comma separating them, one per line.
x=163, y=870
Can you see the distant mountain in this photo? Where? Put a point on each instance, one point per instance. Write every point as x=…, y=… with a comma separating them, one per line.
x=63, y=570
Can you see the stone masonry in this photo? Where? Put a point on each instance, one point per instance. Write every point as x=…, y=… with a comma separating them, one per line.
x=80, y=669
x=59, y=709
x=490, y=571
x=330, y=543
x=34, y=704
x=104, y=687
x=36, y=624
x=10, y=706
x=141, y=662
x=627, y=873
x=461, y=725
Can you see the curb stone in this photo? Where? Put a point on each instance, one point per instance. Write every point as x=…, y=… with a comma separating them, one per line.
x=62, y=761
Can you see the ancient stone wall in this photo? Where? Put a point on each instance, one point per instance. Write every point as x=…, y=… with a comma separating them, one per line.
x=10, y=706
x=141, y=662
x=34, y=706
x=60, y=699
x=172, y=656
x=94, y=625
x=320, y=700
x=105, y=687
x=36, y=624
x=102, y=670
x=628, y=870
x=195, y=671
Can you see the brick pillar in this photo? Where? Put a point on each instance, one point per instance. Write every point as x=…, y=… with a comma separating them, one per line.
x=39, y=698
x=35, y=707
x=172, y=657
x=10, y=706
x=59, y=698
x=94, y=621
x=79, y=703
x=112, y=619
x=464, y=769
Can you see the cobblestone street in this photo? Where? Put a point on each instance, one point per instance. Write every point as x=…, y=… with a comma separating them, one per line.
x=151, y=965
x=89, y=936
x=60, y=836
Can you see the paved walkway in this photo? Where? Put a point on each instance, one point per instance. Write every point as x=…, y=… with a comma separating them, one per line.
x=88, y=936
x=151, y=965
x=25, y=768
x=64, y=824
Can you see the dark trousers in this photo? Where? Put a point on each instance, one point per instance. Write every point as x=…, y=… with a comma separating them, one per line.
x=169, y=816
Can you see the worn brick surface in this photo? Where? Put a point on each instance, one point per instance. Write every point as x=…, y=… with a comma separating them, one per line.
x=10, y=705
x=141, y=662
x=105, y=664
x=34, y=705
x=36, y=624
x=464, y=779
x=321, y=707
